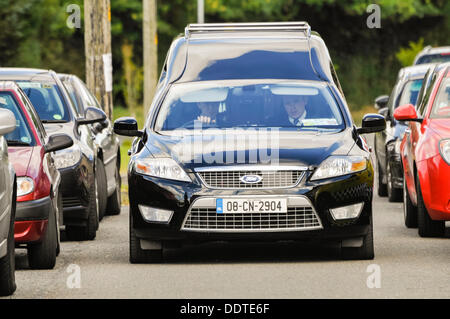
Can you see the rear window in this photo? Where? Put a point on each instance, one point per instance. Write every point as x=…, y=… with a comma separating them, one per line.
x=307, y=106
x=47, y=100
x=434, y=58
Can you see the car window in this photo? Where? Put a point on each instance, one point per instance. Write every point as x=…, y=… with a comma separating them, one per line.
x=441, y=105
x=229, y=104
x=21, y=136
x=90, y=99
x=46, y=99
x=410, y=92
x=73, y=96
x=434, y=58
x=426, y=95
x=34, y=117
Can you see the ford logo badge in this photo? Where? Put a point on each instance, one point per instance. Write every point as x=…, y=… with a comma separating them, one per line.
x=251, y=179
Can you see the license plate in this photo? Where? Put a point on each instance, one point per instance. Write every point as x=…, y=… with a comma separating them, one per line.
x=250, y=205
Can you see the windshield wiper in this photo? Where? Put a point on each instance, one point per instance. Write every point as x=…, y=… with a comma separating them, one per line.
x=53, y=121
x=17, y=143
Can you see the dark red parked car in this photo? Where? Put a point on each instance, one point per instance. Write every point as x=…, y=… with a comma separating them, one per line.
x=38, y=201
x=425, y=152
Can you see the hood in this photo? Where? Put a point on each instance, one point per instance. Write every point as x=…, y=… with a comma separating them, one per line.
x=59, y=128
x=20, y=158
x=278, y=148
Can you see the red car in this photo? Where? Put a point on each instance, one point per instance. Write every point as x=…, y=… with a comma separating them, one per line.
x=425, y=152
x=38, y=202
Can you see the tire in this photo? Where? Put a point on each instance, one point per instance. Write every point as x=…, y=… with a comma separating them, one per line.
x=8, y=263
x=102, y=189
x=409, y=210
x=427, y=226
x=382, y=188
x=88, y=231
x=365, y=252
x=394, y=194
x=115, y=200
x=43, y=255
x=58, y=232
x=138, y=255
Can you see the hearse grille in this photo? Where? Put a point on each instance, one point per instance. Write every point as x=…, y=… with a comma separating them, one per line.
x=233, y=179
x=296, y=219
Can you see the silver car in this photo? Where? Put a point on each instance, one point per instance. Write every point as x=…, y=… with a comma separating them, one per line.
x=7, y=208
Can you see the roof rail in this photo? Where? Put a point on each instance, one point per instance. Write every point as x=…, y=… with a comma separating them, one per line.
x=259, y=26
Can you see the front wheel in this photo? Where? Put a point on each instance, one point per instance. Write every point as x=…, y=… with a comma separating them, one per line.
x=89, y=230
x=139, y=255
x=382, y=188
x=427, y=226
x=394, y=194
x=365, y=252
x=115, y=201
x=43, y=255
x=409, y=210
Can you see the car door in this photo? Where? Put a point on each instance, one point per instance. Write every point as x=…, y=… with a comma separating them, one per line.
x=104, y=136
x=414, y=133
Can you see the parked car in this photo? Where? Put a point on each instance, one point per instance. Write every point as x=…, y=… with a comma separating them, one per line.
x=387, y=143
x=425, y=152
x=108, y=146
x=76, y=164
x=39, y=201
x=433, y=55
x=190, y=182
x=7, y=208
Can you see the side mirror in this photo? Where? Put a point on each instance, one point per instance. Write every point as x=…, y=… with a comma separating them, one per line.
x=92, y=115
x=372, y=123
x=381, y=101
x=7, y=121
x=406, y=113
x=127, y=126
x=58, y=142
x=385, y=112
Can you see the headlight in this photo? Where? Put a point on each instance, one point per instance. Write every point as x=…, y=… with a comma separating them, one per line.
x=339, y=165
x=67, y=157
x=444, y=147
x=161, y=167
x=25, y=186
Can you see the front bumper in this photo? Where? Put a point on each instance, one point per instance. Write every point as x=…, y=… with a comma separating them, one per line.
x=31, y=220
x=323, y=195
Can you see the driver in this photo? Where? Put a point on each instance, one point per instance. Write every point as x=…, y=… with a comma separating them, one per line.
x=209, y=112
x=295, y=106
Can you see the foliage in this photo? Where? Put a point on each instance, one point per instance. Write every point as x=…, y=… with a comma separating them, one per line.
x=407, y=55
x=35, y=34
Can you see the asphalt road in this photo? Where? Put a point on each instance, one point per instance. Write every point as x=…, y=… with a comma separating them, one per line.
x=405, y=266
x=409, y=266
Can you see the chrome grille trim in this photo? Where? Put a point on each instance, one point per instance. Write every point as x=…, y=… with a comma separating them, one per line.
x=273, y=177
x=202, y=217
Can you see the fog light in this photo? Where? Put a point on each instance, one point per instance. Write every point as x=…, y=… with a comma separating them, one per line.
x=155, y=215
x=347, y=212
